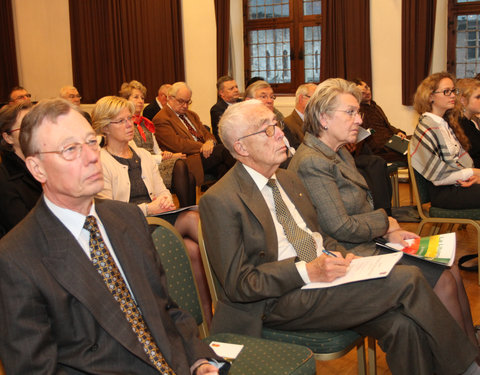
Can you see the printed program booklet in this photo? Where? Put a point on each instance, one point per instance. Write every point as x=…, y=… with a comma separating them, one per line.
x=437, y=249
x=363, y=268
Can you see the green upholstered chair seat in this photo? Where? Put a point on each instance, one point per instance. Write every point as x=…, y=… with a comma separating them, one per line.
x=259, y=356
x=318, y=342
x=269, y=357
x=473, y=214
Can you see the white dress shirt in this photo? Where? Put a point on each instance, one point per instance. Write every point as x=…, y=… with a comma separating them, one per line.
x=285, y=248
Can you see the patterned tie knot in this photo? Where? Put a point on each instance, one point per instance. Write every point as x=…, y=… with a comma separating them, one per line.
x=91, y=225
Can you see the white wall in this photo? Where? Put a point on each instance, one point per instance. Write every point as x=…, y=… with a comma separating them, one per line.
x=386, y=41
x=42, y=33
x=199, y=43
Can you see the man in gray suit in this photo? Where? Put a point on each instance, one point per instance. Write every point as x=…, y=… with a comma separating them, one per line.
x=261, y=273
x=58, y=315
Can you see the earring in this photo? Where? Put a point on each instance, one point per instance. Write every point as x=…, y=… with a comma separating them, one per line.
x=324, y=127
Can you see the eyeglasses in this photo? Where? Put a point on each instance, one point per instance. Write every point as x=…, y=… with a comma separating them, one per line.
x=183, y=102
x=74, y=96
x=26, y=96
x=447, y=92
x=266, y=97
x=12, y=131
x=269, y=131
x=351, y=112
x=122, y=121
x=74, y=150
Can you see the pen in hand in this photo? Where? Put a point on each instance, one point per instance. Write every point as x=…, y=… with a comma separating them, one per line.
x=326, y=252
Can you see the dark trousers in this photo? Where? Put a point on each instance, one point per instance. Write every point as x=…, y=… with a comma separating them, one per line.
x=374, y=169
x=218, y=163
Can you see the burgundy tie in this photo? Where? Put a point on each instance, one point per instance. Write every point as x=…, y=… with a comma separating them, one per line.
x=191, y=129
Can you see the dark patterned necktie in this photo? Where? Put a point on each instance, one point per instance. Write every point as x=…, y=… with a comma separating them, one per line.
x=191, y=129
x=107, y=268
x=302, y=242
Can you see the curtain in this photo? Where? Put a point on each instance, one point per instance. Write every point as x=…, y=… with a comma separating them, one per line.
x=222, y=16
x=8, y=62
x=346, y=40
x=114, y=41
x=418, y=25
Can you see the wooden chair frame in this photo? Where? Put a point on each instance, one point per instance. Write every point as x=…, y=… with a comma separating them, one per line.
x=437, y=221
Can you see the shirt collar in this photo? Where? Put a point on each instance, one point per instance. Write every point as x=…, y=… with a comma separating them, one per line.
x=302, y=116
x=259, y=179
x=436, y=118
x=72, y=220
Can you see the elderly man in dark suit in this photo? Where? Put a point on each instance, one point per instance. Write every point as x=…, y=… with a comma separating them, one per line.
x=261, y=266
x=178, y=129
x=82, y=289
x=160, y=101
x=228, y=94
x=294, y=121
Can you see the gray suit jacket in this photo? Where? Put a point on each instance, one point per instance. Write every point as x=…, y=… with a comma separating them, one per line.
x=339, y=193
x=57, y=314
x=294, y=129
x=247, y=268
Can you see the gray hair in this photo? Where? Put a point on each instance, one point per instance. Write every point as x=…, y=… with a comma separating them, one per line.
x=324, y=100
x=254, y=87
x=172, y=91
x=241, y=118
x=303, y=90
x=64, y=90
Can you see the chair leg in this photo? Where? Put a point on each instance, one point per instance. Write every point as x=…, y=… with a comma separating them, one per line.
x=372, y=356
x=361, y=359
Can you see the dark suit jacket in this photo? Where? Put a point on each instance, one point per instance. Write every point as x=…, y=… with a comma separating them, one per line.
x=57, y=314
x=473, y=135
x=173, y=136
x=151, y=110
x=294, y=129
x=215, y=113
x=246, y=266
x=19, y=191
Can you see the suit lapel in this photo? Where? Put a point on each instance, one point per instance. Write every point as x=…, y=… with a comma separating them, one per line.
x=70, y=266
x=178, y=124
x=254, y=201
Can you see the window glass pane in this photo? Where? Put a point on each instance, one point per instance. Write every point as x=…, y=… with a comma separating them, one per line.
x=312, y=47
x=467, y=46
x=273, y=59
x=311, y=7
x=262, y=9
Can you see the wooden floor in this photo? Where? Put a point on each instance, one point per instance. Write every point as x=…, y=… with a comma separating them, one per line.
x=466, y=244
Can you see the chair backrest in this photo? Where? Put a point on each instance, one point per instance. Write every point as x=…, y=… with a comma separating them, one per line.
x=212, y=281
x=178, y=269
x=419, y=186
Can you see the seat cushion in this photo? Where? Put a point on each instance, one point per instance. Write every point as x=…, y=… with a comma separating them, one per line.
x=318, y=342
x=266, y=357
x=473, y=214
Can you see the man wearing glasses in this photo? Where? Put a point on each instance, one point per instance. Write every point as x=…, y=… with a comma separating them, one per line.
x=264, y=245
x=82, y=288
x=178, y=129
x=18, y=94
